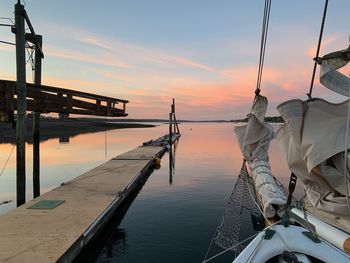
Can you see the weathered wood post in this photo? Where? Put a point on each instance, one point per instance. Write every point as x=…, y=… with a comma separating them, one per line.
x=173, y=111
x=170, y=166
x=21, y=103
x=170, y=128
x=36, y=124
x=176, y=126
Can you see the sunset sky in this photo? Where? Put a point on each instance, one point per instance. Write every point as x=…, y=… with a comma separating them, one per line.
x=203, y=53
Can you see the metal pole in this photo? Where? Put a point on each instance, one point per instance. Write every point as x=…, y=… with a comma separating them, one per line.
x=36, y=125
x=21, y=104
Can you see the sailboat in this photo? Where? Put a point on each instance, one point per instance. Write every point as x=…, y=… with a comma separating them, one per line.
x=314, y=139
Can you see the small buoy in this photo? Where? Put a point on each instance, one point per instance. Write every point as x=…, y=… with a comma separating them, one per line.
x=157, y=163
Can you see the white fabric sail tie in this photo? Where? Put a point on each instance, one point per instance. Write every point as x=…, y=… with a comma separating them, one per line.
x=254, y=140
x=330, y=77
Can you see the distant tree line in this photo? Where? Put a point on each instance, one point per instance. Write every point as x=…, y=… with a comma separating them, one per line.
x=274, y=119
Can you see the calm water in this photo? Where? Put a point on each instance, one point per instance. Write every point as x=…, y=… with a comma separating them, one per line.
x=174, y=217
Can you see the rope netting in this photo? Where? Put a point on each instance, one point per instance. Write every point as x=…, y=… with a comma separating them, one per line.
x=242, y=216
x=228, y=234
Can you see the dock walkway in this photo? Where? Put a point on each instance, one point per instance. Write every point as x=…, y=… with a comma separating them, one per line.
x=85, y=204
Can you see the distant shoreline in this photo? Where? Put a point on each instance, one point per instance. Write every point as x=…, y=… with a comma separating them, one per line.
x=51, y=128
x=66, y=128
x=274, y=119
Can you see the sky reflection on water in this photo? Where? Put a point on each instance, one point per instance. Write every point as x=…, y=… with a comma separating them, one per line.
x=171, y=219
x=175, y=222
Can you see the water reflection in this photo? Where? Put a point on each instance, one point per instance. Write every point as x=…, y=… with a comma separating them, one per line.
x=117, y=246
x=62, y=162
x=166, y=223
x=172, y=157
x=63, y=139
x=113, y=240
x=64, y=130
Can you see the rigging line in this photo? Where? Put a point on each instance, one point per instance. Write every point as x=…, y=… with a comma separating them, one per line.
x=266, y=19
x=222, y=220
x=261, y=46
x=311, y=229
x=13, y=146
x=230, y=248
x=7, y=18
x=8, y=43
x=265, y=40
x=264, y=30
x=8, y=158
x=318, y=49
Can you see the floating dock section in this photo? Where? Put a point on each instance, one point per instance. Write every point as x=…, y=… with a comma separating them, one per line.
x=57, y=225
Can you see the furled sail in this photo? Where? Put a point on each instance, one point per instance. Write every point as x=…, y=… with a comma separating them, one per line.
x=330, y=77
x=314, y=139
x=254, y=139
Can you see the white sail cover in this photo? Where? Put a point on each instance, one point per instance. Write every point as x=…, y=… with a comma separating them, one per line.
x=313, y=139
x=330, y=77
x=254, y=139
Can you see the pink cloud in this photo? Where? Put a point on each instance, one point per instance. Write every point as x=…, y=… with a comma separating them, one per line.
x=326, y=44
x=134, y=51
x=80, y=56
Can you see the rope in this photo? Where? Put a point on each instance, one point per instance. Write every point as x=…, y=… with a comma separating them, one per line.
x=346, y=171
x=9, y=156
x=255, y=202
x=264, y=30
x=265, y=26
x=222, y=219
x=229, y=249
x=308, y=223
x=318, y=50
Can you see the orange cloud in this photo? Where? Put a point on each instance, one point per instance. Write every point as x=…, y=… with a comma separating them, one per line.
x=325, y=46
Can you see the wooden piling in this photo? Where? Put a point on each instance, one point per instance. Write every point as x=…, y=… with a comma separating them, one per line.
x=21, y=103
x=36, y=124
x=170, y=128
x=173, y=112
x=86, y=203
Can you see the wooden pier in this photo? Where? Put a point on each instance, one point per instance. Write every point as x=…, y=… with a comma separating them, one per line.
x=57, y=225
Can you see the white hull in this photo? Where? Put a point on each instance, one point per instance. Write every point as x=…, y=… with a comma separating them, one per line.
x=290, y=239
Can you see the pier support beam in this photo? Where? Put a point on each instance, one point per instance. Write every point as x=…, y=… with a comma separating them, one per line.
x=36, y=124
x=21, y=104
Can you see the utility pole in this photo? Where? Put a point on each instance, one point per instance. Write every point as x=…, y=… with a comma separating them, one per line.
x=36, y=123
x=21, y=103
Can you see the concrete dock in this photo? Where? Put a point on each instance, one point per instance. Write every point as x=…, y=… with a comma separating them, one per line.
x=57, y=225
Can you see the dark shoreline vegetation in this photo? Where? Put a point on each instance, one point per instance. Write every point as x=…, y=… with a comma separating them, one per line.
x=274, y=119
x=64, y=129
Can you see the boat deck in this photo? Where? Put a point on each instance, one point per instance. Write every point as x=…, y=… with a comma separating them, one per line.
x=340, y=221
x=45, y=234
